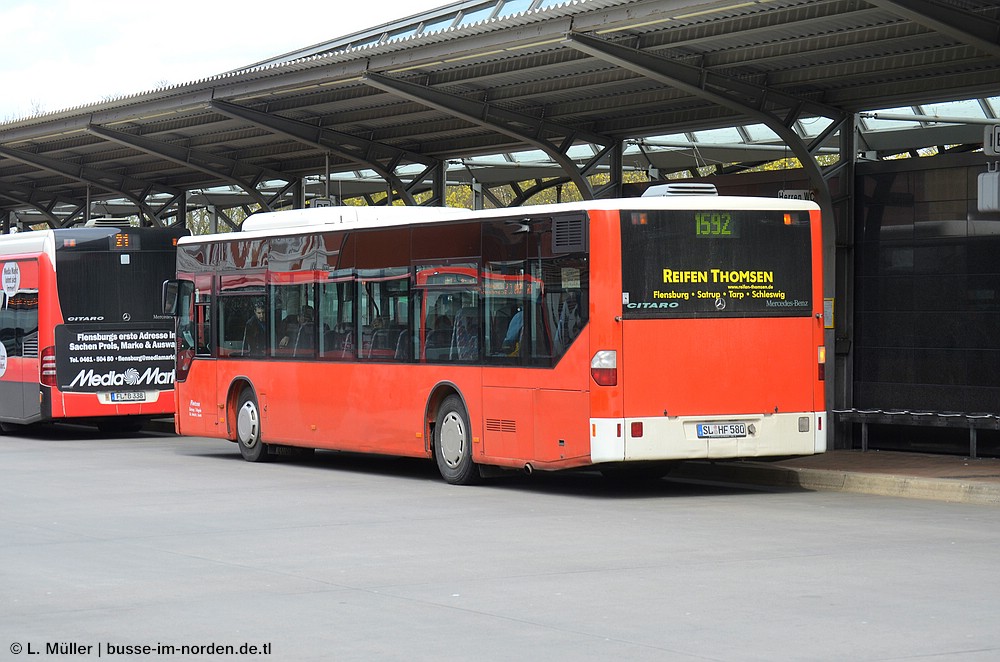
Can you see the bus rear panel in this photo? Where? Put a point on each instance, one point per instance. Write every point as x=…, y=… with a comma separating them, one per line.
x=719, y=336
x=97, y=347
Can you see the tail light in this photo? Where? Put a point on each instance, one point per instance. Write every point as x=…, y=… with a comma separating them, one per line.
x=821, y=359
x=47, y=367
x=604, y=367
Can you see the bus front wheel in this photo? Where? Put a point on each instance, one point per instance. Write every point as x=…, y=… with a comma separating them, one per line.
x=248, y=428
x=453, y=443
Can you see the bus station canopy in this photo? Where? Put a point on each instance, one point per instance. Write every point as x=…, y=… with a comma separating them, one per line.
x=507, y=91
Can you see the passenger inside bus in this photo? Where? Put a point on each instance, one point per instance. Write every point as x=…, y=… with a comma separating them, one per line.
x=299, y=332
x=255, y=333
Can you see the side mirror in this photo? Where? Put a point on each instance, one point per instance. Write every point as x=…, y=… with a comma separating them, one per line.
x=175, y=292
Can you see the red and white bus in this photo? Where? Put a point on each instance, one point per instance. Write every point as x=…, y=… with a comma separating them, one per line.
x=83, y=335
x=616, y=333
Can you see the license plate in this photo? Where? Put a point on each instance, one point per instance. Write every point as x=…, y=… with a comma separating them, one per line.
x=128, y=396
x=721, y=430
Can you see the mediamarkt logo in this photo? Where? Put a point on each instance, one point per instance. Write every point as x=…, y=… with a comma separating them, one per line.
x=131, y=377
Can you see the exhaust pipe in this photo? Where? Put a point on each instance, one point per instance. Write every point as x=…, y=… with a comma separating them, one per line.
x=528, y=469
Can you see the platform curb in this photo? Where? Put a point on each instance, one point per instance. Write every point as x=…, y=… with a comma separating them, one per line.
x=911, y=487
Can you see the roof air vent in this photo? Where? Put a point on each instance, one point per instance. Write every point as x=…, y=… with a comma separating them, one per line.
x=679, y=188
x=108, y=223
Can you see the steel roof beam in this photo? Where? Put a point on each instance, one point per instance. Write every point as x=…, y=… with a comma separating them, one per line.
x=977, y=31
x=742, y=98
x=530, y=130
x=109, y=181
x=202, y=161
x=380, y=157
x=32, y=201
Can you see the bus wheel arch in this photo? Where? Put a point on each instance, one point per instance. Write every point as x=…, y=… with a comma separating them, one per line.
x=450, y=432
x=246, y=421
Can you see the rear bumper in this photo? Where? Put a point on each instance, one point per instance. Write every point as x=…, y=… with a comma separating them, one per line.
x=676, y=438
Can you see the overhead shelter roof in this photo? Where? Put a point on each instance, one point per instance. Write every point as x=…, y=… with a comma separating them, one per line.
x=457, y=91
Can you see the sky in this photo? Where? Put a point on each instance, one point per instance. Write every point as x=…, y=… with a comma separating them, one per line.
x=57, y=54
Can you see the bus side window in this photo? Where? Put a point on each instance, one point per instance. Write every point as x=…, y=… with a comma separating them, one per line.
x=19, y=323
x=384, y=309
x=336, y=319
x=293, y=320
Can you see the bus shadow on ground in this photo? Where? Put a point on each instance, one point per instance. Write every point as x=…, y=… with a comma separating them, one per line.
x=587, y=482
x=73, y=432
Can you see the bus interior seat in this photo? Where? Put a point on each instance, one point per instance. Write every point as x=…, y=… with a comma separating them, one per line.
x=498, y=329
x=404, y=346
x=465, y=335
x=383, y=343
x=436, y=345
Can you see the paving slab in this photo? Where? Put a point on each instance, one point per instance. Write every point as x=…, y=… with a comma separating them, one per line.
x=887, y=473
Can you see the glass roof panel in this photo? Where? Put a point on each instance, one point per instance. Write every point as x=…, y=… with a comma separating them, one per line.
x=402, y=34
x=877, y=124
x=442, y=24
x=580, y=152
x=476, y=16
x=727, y=135
x=967, y=108
x=367, y=42
x=761, y=133
x=813, y=126
x=514, y=7
x=530, y=156
x=672, y=138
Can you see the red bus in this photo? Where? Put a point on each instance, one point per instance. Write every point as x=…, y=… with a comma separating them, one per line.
x=618, y=333
x=83, y=336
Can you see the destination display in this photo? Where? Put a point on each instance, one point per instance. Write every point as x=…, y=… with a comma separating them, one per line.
x=690, y=263
x=123, y=361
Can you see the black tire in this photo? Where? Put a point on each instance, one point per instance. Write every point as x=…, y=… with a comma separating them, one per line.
x=248, y=432
x=453, y=443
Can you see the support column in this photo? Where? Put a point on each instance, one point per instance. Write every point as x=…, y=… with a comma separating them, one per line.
x=839, y=273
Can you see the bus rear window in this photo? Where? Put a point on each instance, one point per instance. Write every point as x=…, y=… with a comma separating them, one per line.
x=712, y=263
x=102, y=286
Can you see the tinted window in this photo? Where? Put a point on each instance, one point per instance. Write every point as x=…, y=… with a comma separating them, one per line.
x=114, y=275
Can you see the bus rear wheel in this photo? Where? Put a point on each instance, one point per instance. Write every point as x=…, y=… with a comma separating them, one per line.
x=248, y=428
x=453, y=443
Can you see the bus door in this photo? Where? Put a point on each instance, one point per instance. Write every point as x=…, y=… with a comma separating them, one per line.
x=195, y=362
x=19, y=341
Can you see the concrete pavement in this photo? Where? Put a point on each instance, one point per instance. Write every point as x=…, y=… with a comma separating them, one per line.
x=887, y=473
x=949, y=478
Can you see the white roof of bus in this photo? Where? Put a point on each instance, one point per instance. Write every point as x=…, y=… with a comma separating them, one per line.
x=28, y=243
x=319, y=219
